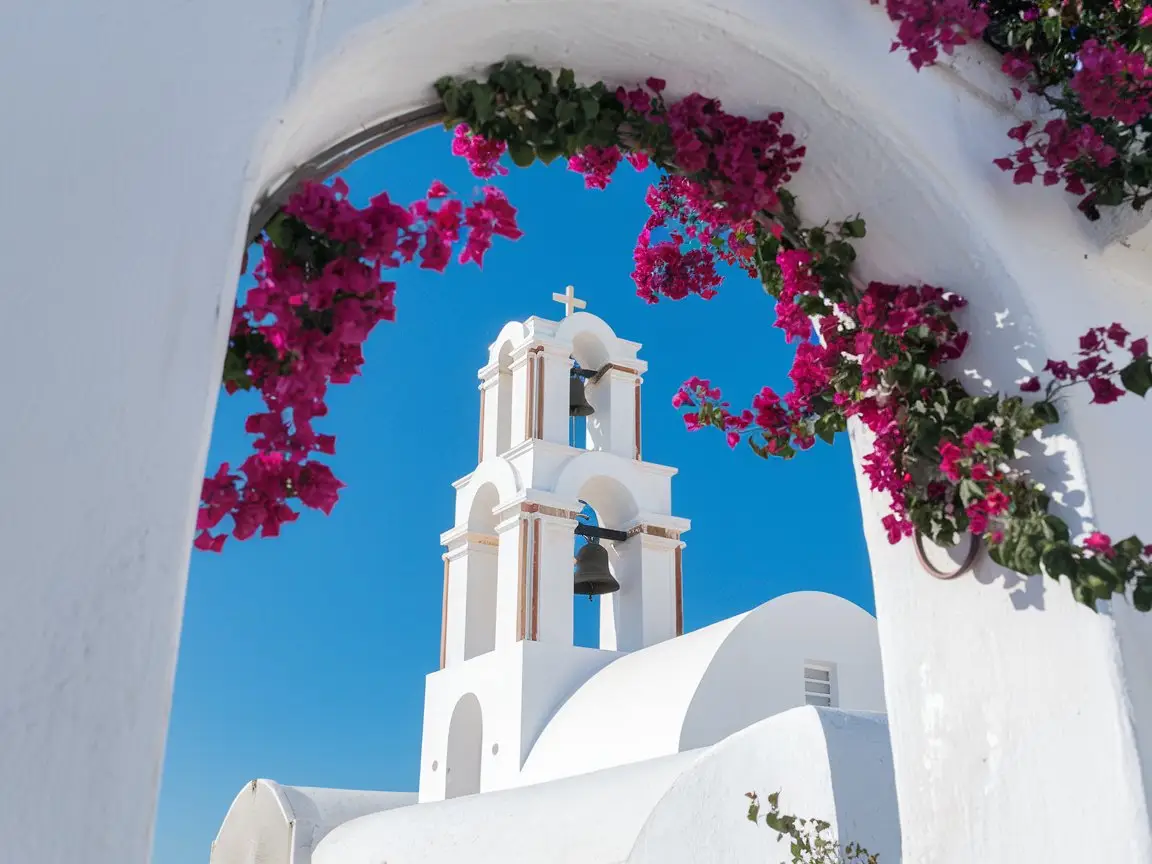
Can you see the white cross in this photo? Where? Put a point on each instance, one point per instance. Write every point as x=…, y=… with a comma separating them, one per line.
x=568, y=298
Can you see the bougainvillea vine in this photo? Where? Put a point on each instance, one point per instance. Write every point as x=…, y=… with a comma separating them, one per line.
x=944, y=457
x=319, y=293
x=1089, y=60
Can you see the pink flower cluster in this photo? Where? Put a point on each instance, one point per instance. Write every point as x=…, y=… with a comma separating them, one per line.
x=1113, y=82
x=1055, y=152
x=1102, y=545
x=597, y=164
x=302, y=327
x=483, y=155
x=686, y=262
x=927, y=27
x=861, y=342
x=732, y=171
x=1095, y=366
x=973, y=459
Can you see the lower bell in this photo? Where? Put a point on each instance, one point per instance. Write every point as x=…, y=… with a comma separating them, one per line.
x=592, y=574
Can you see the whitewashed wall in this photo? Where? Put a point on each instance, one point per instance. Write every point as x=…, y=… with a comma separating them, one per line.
x=137, y=135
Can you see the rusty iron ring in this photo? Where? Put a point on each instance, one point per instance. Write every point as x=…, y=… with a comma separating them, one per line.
x=969, y=559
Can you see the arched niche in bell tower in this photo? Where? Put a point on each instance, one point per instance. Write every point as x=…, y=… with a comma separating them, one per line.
x=614, y=392
x=497, y=399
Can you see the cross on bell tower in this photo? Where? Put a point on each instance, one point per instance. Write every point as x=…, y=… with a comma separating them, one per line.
x=569, y=301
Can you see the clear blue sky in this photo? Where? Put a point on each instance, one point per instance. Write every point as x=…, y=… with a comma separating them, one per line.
x=303, y=657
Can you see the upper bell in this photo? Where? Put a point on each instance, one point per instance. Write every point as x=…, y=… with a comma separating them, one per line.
x=577, y=405
x=592, y=574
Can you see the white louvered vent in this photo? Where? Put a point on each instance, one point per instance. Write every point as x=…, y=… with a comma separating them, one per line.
x=818, y=686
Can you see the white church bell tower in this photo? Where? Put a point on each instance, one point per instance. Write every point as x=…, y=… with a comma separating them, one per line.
x=507, y=658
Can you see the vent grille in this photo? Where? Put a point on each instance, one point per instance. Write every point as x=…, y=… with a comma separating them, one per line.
x=818, y=686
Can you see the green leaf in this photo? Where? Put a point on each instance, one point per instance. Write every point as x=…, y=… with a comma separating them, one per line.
x=549, y=154
x=854, y=228
x=451, y=100
x=1060, y=560
x=1142, y=595
x=521, y=153
x=279, y=231
x=566, y=79
x=1046, y=413
x=590, y=105
x=970, y=491
x=481, y=101
x=1055, y=528
x=1137, y=375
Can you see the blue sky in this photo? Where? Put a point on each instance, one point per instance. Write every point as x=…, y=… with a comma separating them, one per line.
x=303, y=657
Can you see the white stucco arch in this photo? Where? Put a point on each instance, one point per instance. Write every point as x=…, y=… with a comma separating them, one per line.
x=910, y=151
x=496, y=472
x=464, y=760
x=766, y=649
x=631, y=489
x=511, y=334
x=594, y=343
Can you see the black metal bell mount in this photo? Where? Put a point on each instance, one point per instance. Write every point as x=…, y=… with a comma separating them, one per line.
x=592, y=574
x=577, y=403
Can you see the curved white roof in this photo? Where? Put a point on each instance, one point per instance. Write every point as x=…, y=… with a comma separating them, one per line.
x=688, y=807
x=594, y=818
x=697, y=689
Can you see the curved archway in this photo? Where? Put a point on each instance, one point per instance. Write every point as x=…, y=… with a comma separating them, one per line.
x=884, y=142
x=496, y=473
x=874, y=145
x=510, y=335
x=464, y=759
x=611, y=485
x=594, y=343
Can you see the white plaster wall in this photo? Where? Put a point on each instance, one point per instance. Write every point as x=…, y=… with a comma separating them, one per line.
x=519, y=687
x=695, y=690
x=151, y=150
x=831, y=765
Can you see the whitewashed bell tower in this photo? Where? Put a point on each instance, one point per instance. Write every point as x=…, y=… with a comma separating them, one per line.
x=507, y=659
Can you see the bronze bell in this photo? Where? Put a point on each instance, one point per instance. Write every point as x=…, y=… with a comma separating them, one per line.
x=577, y=405
x=592, y=574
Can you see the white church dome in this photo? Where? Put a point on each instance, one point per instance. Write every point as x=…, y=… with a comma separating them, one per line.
x=697, y=689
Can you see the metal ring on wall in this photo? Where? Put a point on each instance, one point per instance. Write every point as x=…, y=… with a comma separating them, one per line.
x=969, y=559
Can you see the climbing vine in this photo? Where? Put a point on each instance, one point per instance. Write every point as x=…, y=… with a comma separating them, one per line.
x=945, y=457
x=810, y=841
x=1088, y=60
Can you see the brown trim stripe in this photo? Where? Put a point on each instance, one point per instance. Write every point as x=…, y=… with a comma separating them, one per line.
x=679, y=592
x=637, y=439
x=545, y=510
x=528, y=397
x=539, y=432
x=535, y=631
x=654, y=531
x=521, y=580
